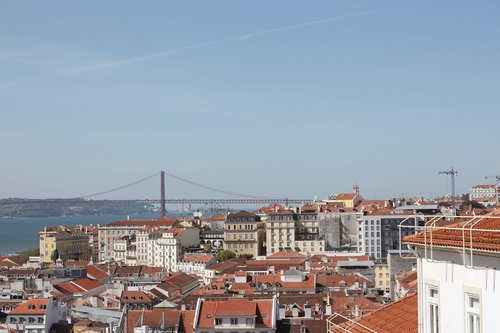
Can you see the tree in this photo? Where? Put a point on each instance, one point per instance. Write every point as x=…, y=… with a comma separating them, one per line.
x=473, y=204
x=246, y=256
x=26, y=254
x=225, y=255
x=55, y=255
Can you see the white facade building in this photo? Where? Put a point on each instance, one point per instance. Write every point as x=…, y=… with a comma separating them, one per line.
x=457, y=279
x=197, y=266
x=36, y=316
x=166, y=246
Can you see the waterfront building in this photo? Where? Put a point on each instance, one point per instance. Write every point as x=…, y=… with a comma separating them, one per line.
x=115, y=231
x=69, y=243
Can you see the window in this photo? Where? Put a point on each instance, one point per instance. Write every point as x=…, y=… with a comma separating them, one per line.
x=472, y=313
x=432, y=309
x=249, y=321
x=218, y=321
x=234, y=321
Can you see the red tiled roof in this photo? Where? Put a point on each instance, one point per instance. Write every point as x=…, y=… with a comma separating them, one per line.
x=39, y=307
x=78, y=286
x=242, y=214
x=452, y=235
x=286, y=255
x=333, y=281
x=153, y=318
x=346, y=196
x=76, y=263
x=163, y=222
x=261, y=309
x=95, y=273
x=202, y=259
x=134, y=296
x=398, y=317
x=188, y=320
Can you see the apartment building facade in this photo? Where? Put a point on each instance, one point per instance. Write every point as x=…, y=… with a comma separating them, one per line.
x=291, y=231
x=457, y=275
x=379, y=232
x=118, y=231
x=70, y=244
x=242, y=234
x=167, y=246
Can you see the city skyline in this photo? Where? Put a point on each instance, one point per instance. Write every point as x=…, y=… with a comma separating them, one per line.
x=281, y=99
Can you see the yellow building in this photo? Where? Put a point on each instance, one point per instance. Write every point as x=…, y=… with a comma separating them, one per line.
x=382, y=277
x=71, y=244
x=349, y=200
x=242, y=234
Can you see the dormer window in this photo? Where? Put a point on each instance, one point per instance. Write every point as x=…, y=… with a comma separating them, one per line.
x=42, y=306
x=218, y=321
x=31, y=307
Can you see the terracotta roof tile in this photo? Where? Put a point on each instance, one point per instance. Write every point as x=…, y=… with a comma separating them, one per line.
x=397, y=317
x=32, y=306
x=134, y=296
x=457, y=234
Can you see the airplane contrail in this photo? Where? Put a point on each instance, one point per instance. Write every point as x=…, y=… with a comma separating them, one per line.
x=166, y=53
x=15, y=82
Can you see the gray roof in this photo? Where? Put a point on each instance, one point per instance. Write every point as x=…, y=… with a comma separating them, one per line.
x=354, y=263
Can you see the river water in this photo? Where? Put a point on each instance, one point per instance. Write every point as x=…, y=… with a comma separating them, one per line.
x=19, y=234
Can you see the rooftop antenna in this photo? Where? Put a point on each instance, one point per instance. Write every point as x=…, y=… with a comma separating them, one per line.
x=451, y=173
x=497, y=178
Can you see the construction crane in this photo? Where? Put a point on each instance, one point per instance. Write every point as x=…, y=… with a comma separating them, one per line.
x=451, y=173
x=497, y=178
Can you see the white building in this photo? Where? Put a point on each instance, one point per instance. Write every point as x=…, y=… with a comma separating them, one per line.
x=457, y=274
x=483, y=191
x=197, y=266
x=166, y=246
x=236, y=315
x=131, y=237
x=36, y=316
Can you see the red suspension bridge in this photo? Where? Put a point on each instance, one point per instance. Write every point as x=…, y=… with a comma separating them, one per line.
x=99, y=197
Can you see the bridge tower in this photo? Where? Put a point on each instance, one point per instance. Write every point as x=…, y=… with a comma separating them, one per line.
x=162, y=194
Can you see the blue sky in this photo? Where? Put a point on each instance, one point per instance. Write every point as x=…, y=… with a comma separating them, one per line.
x=281, y=98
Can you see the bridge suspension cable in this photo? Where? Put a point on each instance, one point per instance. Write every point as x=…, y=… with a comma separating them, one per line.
x=247, y=196
x=119, y=188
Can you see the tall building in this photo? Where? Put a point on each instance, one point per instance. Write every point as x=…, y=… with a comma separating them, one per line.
x=167, y=246
x=66, y=242
x=242, y=234
x=293, y=231
x=379, y=232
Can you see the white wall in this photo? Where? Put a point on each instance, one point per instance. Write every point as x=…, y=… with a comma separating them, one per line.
x=453, y=280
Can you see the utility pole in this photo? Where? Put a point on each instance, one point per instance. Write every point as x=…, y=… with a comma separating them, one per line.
x=497, y=177
x=451, y=173
x=162, y=194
